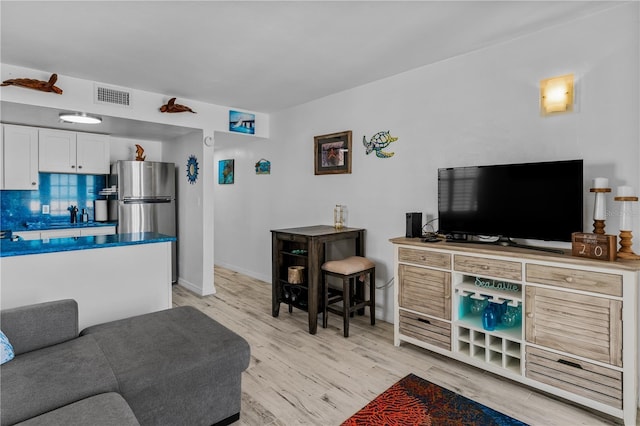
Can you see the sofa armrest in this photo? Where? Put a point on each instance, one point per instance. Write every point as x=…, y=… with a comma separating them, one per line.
x=37, y=326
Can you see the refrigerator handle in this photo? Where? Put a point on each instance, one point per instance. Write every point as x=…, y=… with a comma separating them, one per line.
x=147, y=200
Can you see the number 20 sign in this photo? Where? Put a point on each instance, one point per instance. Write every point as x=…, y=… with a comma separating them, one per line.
x=594, y=246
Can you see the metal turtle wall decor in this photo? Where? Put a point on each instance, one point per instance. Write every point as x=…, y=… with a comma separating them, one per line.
x=29, y=83
x=378, y=142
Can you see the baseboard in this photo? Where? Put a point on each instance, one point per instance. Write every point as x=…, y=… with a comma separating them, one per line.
x=246, y=272
x=191, y=287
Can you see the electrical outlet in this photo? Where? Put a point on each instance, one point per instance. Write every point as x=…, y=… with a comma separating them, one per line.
x=45, y=209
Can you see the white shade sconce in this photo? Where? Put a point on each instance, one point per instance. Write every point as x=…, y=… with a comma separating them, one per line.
x=79, y=118
x=556, y=95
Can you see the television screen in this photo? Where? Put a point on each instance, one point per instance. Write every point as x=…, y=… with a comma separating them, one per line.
x=540, y=201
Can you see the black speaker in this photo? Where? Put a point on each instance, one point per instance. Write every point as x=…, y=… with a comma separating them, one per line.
x=414, y=225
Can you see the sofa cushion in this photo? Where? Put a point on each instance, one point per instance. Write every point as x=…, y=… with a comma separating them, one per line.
x=176, y=366
x=106, y=409
x=46, y=379
x=40, y=325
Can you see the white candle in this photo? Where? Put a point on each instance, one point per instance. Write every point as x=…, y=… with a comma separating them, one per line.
x=625, y=220
x=600, y=182
x=599, y=209
x=625, y=191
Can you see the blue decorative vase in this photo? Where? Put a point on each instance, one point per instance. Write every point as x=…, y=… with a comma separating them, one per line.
x=489, y=317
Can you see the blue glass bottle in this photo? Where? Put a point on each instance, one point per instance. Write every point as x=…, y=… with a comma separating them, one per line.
x=489, y=317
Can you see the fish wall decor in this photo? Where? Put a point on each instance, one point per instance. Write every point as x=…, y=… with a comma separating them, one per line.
x=172, y=106
x=29, y=83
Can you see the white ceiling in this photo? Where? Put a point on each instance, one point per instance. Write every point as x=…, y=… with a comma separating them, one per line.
x=263, y=56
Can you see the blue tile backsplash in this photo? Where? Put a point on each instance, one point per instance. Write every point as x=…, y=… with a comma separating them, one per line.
x=59, y=191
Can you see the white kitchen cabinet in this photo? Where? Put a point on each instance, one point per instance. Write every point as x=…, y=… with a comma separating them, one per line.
x=63, y=151
x=59, y=233
x=27, y=235
x=98, y=230
x=65, y=232
x=19, y=157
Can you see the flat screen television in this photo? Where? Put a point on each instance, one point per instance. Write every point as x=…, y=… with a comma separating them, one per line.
x=539, y=201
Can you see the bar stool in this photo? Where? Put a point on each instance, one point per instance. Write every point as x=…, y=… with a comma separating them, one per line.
x=351, y=271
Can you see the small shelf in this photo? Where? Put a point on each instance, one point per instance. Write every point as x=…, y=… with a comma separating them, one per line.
x=489, y=348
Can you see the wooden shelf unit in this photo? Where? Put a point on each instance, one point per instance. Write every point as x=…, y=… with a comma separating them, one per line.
x=577, y=334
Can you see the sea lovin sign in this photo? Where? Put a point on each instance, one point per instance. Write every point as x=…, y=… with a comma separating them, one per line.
x=497, y=285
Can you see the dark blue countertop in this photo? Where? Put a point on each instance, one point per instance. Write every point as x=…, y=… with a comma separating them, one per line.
x=46, y=225
x=20, y=248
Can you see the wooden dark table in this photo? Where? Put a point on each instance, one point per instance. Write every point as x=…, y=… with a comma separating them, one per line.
x=312, y=239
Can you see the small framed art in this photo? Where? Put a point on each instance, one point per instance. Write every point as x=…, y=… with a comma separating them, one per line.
x=332, y=153
x=225, y=172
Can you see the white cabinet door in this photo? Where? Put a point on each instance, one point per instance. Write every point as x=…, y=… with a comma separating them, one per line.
x=28, y=235
x=92, y=154
x=59, y=233
x=98, y=230
x=57, y=151
x=62, y=151
x=20, y=157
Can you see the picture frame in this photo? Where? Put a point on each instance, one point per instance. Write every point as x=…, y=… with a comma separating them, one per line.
x=225, y=172
x=242, y=122
x=332, y=153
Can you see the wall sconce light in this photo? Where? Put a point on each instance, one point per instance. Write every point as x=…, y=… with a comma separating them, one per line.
x=79, y=118
x=556, y=95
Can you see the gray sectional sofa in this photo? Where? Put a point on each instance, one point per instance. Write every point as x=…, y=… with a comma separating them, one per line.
x=173, y=367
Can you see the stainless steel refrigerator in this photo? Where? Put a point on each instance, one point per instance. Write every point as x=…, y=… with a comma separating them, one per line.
x=146, y=199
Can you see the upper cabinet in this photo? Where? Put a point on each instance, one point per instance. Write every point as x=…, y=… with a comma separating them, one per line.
x=62, y=151
x=19, y=163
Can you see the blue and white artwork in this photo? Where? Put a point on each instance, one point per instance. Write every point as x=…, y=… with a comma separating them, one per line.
x=242, y=122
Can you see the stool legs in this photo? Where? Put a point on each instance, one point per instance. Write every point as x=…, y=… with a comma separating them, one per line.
x=346, y=301
x=372, y=296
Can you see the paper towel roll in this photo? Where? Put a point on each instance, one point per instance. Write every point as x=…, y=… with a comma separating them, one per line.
x=100, y=211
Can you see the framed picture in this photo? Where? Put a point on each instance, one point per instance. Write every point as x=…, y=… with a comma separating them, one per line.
x=332, y=153
x=225, y=172
x=242, y=122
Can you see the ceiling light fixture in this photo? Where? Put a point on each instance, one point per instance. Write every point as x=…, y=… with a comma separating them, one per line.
x=80, y=118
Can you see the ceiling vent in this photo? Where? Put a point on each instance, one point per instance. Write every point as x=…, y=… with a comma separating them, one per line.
x=111, y=96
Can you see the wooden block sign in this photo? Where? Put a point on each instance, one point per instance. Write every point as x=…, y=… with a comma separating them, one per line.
x=594, y=246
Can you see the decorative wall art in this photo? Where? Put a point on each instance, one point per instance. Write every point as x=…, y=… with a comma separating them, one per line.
x=263, y=167
x=29, y=83
x=332, y=153
x=378, y=142
x=242, y=122
x=192, y=169
x=225, y=172
x=172, y=106
x=140, y=153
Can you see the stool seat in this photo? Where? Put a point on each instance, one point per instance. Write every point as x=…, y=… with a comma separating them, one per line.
x=348, y=266
x=352, y=271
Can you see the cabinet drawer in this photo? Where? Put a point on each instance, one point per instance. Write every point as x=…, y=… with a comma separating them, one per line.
x=427, y=291
x=492, y=267
x=573, y=375
x=596, y=282
x=582, y=325
x=428, y=330
x=425, y=258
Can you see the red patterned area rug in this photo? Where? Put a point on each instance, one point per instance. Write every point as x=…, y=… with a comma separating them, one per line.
x=415, y=401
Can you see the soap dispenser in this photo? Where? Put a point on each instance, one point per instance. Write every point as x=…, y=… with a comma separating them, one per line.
x=85, y=216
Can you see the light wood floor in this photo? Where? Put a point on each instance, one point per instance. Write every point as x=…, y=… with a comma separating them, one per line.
x=295, y=378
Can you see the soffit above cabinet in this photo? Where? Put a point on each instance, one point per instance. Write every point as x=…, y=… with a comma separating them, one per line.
x=37, y=116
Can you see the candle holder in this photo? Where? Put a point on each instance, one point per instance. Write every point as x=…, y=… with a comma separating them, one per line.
x=625, y=251
x=599, y=209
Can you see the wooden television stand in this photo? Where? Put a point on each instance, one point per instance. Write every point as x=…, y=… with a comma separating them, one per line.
x=575, y=335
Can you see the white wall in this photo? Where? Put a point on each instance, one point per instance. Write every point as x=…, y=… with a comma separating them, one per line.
x=480, y=108
x=196, y=234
